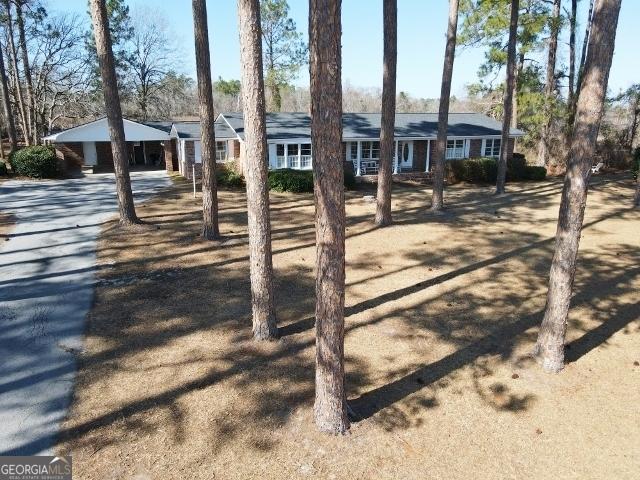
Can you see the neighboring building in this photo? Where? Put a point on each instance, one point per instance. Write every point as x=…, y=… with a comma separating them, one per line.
x=289, y=141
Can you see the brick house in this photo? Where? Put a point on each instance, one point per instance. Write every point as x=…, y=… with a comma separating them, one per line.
x=176, y=145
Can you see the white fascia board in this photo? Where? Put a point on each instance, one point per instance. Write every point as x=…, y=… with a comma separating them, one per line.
x=98, y=131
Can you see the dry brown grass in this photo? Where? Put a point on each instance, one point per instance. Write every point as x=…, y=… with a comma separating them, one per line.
x=442, y=312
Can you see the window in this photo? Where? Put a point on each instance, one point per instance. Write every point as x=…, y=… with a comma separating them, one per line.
x=371, y=150
x=455, y=148
x=491, y=147
x=353, y=150
x=221, y=151
x=305, y=155
x=292, y=149
x=281, y=161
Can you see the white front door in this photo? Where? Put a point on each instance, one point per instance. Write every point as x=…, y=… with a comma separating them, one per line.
x=405, y=155
x=89, y=153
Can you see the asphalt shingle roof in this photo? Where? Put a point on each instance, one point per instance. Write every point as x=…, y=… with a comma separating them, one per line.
x=288, y=126
x=191, y=129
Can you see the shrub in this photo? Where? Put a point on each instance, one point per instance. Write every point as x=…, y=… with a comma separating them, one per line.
x=227, y=177
x=473, y=170
x=3, y=169
x=349, y=180
x=534, y=173
x=287, y=180
x=516, y=167
x=36, y=162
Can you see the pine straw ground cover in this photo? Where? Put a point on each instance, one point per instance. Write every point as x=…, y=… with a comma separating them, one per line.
x=442, y=311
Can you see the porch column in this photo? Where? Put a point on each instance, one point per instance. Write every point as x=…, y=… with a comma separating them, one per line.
x=300, y=156
x=428, y=156
x=395, y=159
x=286, y=155
x=358, y=158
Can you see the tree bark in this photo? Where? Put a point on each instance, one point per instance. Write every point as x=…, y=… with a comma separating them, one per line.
x=255, y=137
x=14, y=63
x=328, y=177
x=6, y=104
x=550, y=85
x=387, y=122
x=210, y=229
x=437, y=197
x=572, y=50
x=31, y=101
x=114, y=112
x=509, y=93
x=550, y=345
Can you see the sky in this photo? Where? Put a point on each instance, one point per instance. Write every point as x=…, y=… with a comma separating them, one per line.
x=421, y=41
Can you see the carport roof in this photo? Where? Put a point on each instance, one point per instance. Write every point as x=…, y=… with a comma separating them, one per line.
x=98, y=131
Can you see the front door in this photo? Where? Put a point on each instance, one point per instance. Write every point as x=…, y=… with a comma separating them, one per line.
x=405, y=155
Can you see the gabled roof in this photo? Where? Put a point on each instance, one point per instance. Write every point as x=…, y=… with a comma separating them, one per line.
x=98, y=131
x=288, y=126
x=191, y=129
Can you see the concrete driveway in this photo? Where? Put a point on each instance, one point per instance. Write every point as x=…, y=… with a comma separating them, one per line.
x=47, y=282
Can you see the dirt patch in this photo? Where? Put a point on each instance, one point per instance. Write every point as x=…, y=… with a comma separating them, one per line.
x=442, y=312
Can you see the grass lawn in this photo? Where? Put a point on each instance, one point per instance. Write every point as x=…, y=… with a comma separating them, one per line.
x=442, y=312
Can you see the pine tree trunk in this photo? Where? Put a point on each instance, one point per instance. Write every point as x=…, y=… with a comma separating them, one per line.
x=572, y=50
x=550, y=346
x=210, y=229
x=255, y=137
x=328, y=177
x=31, y=103
x=437, y=198
x=6, y=104
x=508, y=98
x=114, y=112
x=550, y=85
x=14, y=63
x=387, y=122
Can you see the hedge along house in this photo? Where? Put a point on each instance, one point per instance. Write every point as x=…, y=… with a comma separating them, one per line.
x=89, y=145
x=289, y=140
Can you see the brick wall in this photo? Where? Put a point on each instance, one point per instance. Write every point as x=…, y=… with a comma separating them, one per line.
x=420, y=155
x=475, y=148
x=70, y=156
x=171, y=155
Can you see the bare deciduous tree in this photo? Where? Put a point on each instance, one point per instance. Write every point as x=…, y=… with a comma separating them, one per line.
x=328, y=177
x=255, y=133
x=6, y=104
x=550, y=345
x=210, y=229
x=387, y=122
x=437, y=197
x=114, y=112
x=508, y=97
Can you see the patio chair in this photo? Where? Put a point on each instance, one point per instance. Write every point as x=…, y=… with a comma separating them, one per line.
x=596, y=168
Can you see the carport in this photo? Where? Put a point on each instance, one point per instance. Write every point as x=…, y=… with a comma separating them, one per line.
x=89, y=145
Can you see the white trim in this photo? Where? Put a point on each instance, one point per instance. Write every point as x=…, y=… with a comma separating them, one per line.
x=428, y=161
x=98, y=131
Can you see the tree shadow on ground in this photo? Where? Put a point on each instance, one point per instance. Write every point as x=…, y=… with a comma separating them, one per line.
x=169, y=345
